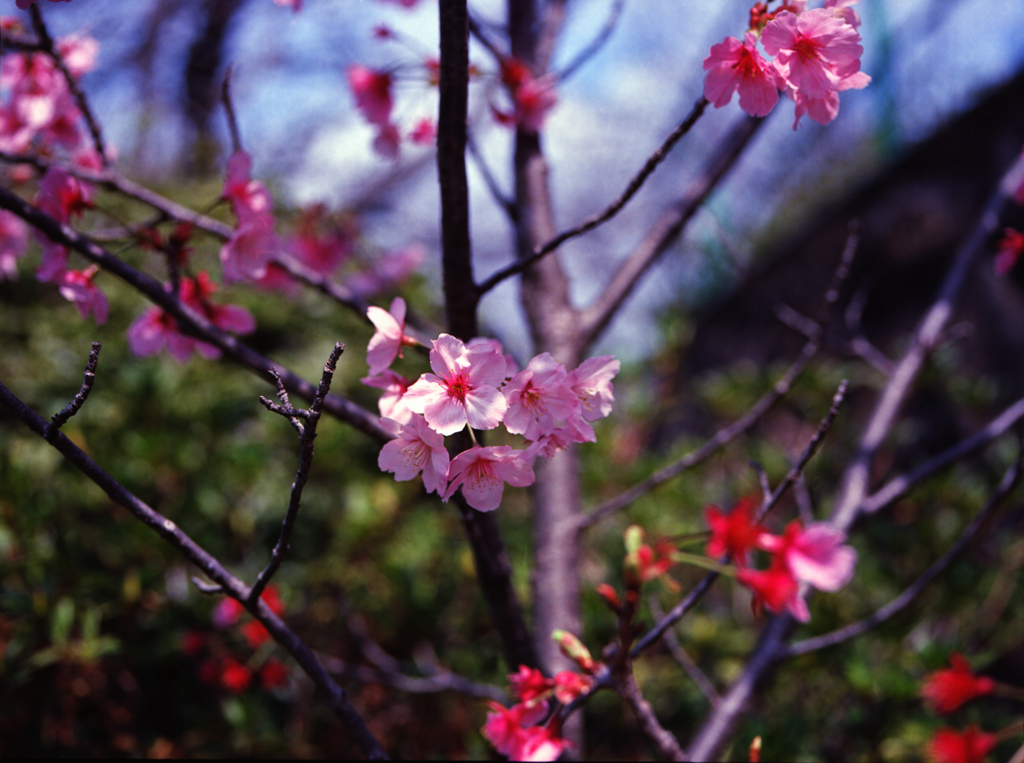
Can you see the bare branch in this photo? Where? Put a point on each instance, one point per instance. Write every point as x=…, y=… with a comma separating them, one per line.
x=855, y=482
x=506, y=205
x=897, y=486
x=229, y=109
x=597, y=43
x=609, y=212
x=59, y=419
x=307, y=433
x=170, y=532
x=1010, y=480
x=665, y=231
x=663, y=739
x=685, y=660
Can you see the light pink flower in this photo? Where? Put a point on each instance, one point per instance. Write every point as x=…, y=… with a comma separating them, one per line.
x=734, y=66
x=813, y=51
x=249, y=198
x=538, y=397
x=253, y=244
x=13, y=241
x=77, y=286
x=372, y=90
x=592, y=383
x=295, y=5
x=814, y=555
x=483, y=472
x=842, y=9
x=391, y=403
x=386, y=343
x=417, y=448
x=463, y=388
x=824, y=110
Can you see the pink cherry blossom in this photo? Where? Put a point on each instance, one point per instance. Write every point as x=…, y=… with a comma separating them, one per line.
x=777, y=589
x=592, y=383
x=483, y=472
x=463, y=388
x=391, y=404
x=386, y=343
x=504, y=724
x=813, y=51
x=532, y=97
x=814, y=555
x=424, y=132
x=249, y=198
x=388, y=141
x=77, y=286
x=417, y=448
x=295, y=5
x=13, y=241
x=253, y=243
x=372, y=90
x=842, y=9
x=824, y=110
x=734, y=66
x=538, y=397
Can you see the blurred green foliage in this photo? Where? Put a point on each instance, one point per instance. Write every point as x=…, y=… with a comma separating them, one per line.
x=94, y=608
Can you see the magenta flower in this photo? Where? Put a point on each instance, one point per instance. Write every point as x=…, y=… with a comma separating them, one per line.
x=246, y=255
x=734, y=66
x=77, y=286
x=483, y=472
x=417, y=448
x=463, y=388
x=813, y=52
x=386, y=343
x=776, y=589
x=249, y=198
x=424, y=132
x=815, y=555
x=538, y=397
x=533, y=97
x=592, y=383
x=1008, y=251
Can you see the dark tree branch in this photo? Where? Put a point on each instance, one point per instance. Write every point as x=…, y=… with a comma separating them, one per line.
x=685, y=660
x=609, y=212
x=1010, y=480
x=229, y=110
x=307, y=433
x=59, y=419
x=228, y=583
x=662, y=738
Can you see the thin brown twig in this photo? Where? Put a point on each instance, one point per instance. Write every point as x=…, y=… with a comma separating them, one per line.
x=307, y=433
x=684, y=660
x=595, y=45
x=337, y=698
x=662, y=738
x=59, y=419
x=229, y=109
x=609, y=212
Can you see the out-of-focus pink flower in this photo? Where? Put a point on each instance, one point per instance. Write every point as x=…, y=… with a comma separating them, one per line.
x=253, y=243
x=77, y=286
x=234, y=676
x=417, y=448
x=387, y=341
x=62, y=196
x=79, y=53
x=538, y=396
x=532, y=96
x=249, y=198
x=569, y=685
x=734, y=533
x=1008, y=251
x=592, y=383
x=372, y=90
x=13, y=241
x=463, y=388
x=505, y=725
x=273, y=674
x=321, y=241
x=403, y=3
x=391, y=404
x=424, y=132
x=815, y=555
x=295, y=5
x=813, y=52
x=775, y=588
x=842, y=9
x=388, y=141
x=226, y=613
x=972, y=745
x=483, y=472
x=946, y=690
x=734, y=66
x=530, y=686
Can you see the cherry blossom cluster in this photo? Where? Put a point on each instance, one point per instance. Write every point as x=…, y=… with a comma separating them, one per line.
x=816, y=56
x=814, y=555
x=532, y=97
x=475, y=384
x=220, y=664
x=1011, y=245
x=945, y=691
